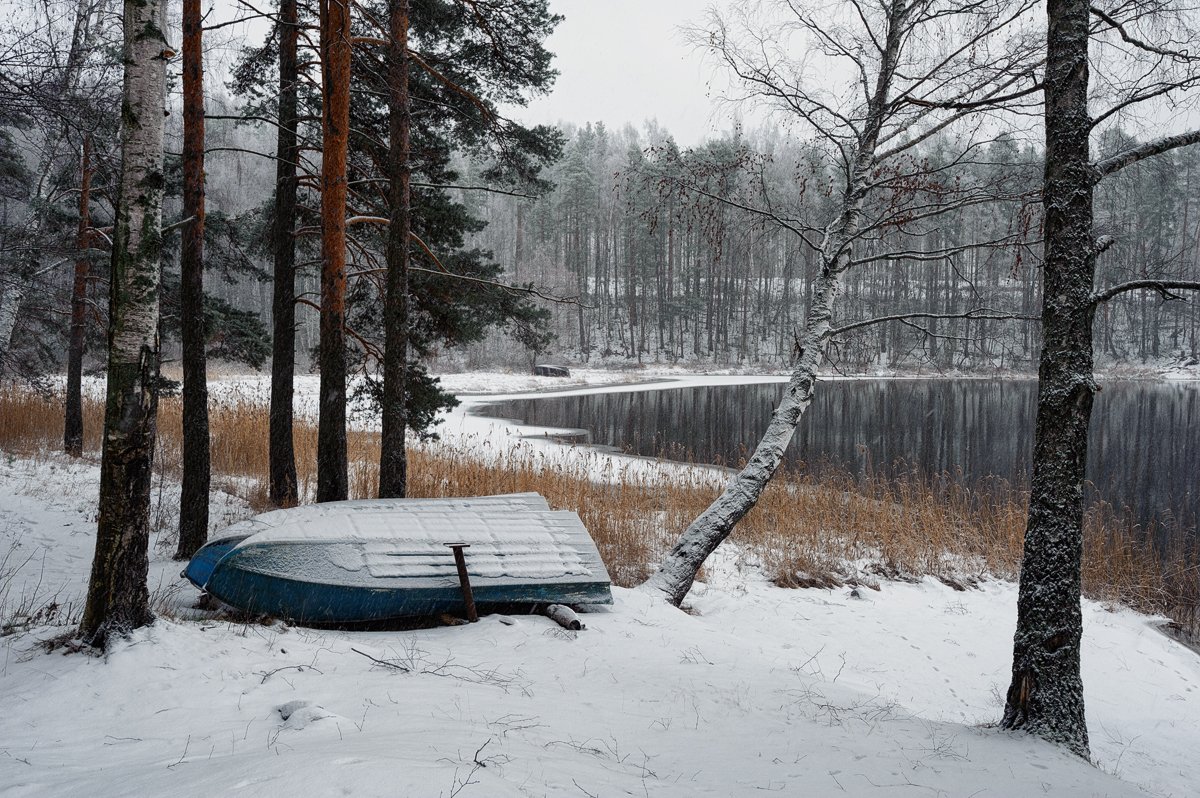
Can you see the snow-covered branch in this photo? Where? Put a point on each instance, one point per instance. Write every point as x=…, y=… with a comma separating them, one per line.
x=1164, y=287
x=975, y=313
x=934, y=254
x=1106, y=166
x=1115, y=24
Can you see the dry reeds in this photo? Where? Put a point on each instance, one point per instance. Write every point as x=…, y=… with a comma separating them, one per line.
x=31, y=421
x=807, y=530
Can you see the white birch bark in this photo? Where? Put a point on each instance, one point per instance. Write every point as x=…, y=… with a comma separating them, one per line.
x=10, y=302
x=118, y=599
x=137, y=237
x=678, y=570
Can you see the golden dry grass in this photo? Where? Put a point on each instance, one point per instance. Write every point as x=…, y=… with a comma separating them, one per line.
x=805, y=531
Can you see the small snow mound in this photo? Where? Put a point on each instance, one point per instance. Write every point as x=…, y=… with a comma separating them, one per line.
x=298, y=714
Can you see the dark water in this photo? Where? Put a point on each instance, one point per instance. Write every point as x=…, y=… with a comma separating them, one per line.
x=1144, y=447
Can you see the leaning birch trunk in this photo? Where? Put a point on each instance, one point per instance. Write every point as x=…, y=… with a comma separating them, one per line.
x=118, y=599
x=193, y=498
x=678, y=569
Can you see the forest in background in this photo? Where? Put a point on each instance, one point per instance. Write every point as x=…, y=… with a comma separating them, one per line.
x=664, y=276
x=652, y=271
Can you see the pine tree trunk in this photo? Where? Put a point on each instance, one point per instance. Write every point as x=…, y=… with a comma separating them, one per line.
x=393, y=463
x=519, y=247
x=193, y=500
x=1046, y=694
x=282, y=454
x=118, y=599
x=332, y=478
x=73, y=417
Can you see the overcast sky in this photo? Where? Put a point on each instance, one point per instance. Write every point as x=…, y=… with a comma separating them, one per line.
x=619, y=61
x=626, y=61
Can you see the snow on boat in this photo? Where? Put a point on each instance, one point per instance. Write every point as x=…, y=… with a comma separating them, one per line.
x=201, y=566
x=356, y=561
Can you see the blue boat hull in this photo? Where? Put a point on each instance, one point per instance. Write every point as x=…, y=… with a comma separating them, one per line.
x=306, y=602
x=370, y=561
x=204, y=561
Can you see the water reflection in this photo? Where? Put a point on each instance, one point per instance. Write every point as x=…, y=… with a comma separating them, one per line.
x=1144, y=448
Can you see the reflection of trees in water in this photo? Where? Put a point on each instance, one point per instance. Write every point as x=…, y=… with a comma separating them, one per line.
x=1144, y=446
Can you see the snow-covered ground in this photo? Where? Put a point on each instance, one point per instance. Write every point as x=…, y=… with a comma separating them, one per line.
x=796, y=692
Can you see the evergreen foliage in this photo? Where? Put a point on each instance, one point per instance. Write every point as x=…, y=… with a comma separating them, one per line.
x=469, y=59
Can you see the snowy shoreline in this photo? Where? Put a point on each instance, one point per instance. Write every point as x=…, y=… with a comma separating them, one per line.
x=799, y=691
x=886, y=692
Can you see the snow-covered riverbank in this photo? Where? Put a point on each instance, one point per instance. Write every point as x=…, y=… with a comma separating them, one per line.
x=802, y=692
x=799, y=692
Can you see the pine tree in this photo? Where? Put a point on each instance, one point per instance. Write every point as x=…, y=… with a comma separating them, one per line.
x=193, y=499
x=332, y=474
x=281, y=448
x=393, y=460
x=1045, y=696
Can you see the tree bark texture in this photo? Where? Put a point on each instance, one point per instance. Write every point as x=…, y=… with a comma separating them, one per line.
x=1046, y=694
x=11, y=297
x=282, y=454
x=73, y=417
x=118, y=599
x=193, y=500
x=393, y=462
x=332, y=478
x=678, y=569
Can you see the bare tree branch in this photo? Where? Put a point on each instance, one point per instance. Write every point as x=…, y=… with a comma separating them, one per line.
x=975, y=313
x=1105, y=167
x=1163, y=287
x=1181, y=55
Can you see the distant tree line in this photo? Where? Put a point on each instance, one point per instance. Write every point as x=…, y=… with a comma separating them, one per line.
x=666, y=274
x=661, y=274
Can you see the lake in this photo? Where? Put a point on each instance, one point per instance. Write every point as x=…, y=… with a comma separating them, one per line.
x=1144, y=450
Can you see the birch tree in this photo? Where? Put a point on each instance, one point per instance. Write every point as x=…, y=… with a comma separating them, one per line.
x=55, y=84
x=118, y=599
x=914, y=68
x=1045, y=696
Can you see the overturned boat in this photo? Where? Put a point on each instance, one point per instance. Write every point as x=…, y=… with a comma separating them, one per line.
x=377, y=560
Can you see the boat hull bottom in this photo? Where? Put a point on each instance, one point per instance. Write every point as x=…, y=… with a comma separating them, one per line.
x=325, y=605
